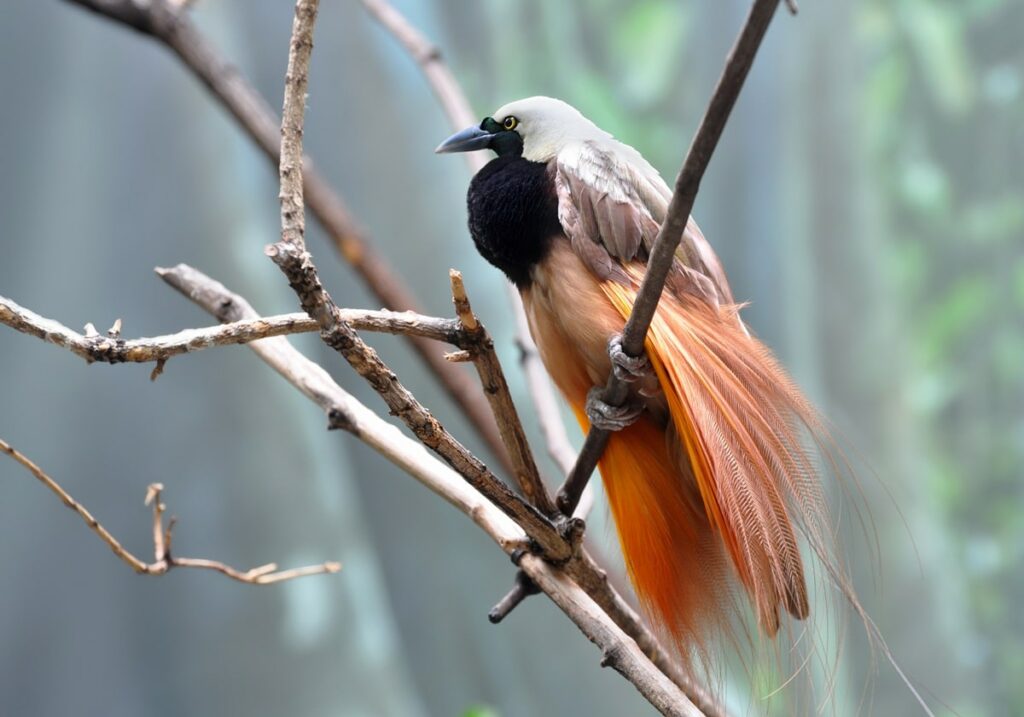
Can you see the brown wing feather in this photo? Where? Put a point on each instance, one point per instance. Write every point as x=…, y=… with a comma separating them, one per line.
x=695, y=253
x=611, y=212
x=579, y=219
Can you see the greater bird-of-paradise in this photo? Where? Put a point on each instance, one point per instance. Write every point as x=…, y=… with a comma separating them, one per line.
x=710, y=474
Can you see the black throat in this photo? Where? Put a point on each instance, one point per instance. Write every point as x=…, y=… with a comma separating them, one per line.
x=513, y=214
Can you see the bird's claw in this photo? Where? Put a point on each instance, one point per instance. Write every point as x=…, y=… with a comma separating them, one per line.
x=609, y=417
x=628, y=369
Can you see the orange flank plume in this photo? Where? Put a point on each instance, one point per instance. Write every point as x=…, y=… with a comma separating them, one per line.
x=665, y=536
x=730, y=484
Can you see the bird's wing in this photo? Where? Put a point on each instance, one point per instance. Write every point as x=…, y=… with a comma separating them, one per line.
x=611, y=203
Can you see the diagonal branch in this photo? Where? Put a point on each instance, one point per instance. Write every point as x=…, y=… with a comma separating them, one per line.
x=314, y=382
x=662, y=256
x=481, y=350
x=344, y=411
x=170, y=25
x=164, y=561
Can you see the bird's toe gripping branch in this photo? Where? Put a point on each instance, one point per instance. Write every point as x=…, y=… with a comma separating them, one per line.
x=629, y=369
x=635, y=371
x=637, y=374
x=608, y=417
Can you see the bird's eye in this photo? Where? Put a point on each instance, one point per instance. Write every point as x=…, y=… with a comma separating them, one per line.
x=510, y=122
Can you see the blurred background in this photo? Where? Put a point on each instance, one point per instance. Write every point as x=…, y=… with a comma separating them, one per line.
x=866, y=198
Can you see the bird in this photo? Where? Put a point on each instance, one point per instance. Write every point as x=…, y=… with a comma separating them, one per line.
x=710, y=472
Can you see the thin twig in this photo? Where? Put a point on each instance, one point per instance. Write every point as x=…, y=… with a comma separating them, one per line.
x=521, y=589
x=162, y=21
x=293, y=215
x=101, y=348
x=347, y=413
x=662, y=256
x=496, y=390
x=161, y=538
x=113, y=349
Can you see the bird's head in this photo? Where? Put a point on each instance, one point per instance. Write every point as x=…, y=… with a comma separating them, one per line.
x=535, y=128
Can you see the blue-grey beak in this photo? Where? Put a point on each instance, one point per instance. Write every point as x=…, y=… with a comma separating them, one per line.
x=467, y=140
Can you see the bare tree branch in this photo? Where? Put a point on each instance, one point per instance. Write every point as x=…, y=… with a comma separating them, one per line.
x=595, y=581
x=662, y=255
x=315, y=383
x=496, y=390
x=164, y=561
x=113, y=349
x=293, y=215
x=171, y=26
x=627, y=656
x=617, y=649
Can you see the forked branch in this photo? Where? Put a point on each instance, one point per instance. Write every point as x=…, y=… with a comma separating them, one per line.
x=163, y=560
x=112, y=348
x=481, y=350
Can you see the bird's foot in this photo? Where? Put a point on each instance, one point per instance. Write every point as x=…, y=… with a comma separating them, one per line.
x=633, y=370
x=628, y=369
x=609, y=417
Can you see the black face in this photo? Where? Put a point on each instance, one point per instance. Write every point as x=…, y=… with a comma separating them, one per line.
x=500, y=137
x=505, y=141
